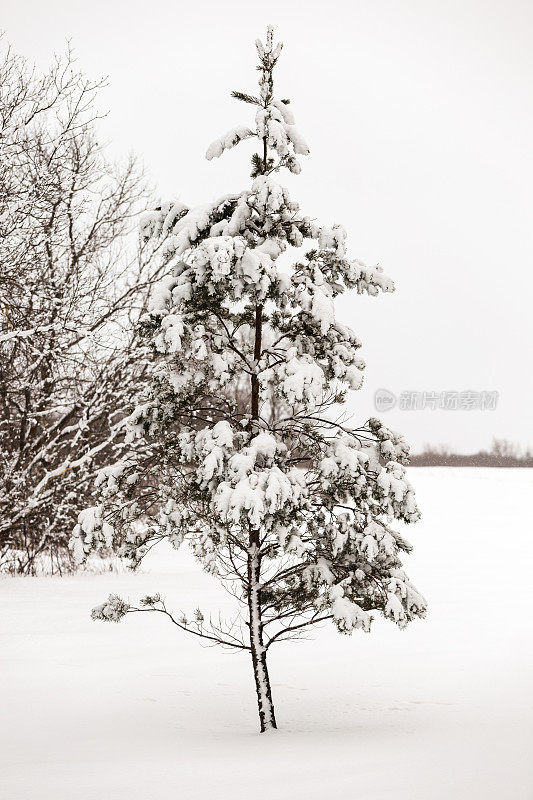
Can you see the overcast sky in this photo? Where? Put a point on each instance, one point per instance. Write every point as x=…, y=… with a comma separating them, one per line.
x=420, y=123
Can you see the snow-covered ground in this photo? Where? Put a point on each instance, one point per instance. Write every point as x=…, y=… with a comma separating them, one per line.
x=140, y=711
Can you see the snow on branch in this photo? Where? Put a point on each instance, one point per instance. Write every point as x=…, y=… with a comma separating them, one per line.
x=227, y=141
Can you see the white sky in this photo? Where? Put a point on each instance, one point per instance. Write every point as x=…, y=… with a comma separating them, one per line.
x=419, y=118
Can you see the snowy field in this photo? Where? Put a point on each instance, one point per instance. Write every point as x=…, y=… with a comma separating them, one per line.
x=141, y=711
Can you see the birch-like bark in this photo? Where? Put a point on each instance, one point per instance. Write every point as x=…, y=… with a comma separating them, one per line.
x=267, y=718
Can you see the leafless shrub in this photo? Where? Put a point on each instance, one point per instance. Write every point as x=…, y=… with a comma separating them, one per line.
x=71, y=282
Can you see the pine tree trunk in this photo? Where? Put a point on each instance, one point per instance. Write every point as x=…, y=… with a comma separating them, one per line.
x=267, y=718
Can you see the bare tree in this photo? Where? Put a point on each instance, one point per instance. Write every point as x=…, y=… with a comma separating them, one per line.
x=71, y=286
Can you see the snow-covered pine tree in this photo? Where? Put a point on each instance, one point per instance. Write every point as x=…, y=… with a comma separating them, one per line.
x=276, y=497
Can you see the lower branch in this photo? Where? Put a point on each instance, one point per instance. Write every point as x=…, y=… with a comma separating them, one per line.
x=293, y=628
x=212, y=637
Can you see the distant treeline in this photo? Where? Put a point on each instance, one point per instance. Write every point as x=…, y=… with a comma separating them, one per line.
x=501, y=454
